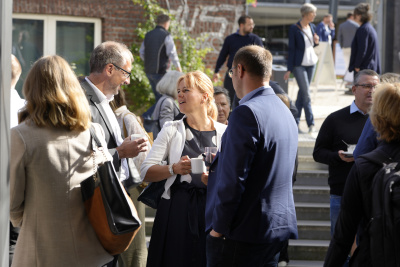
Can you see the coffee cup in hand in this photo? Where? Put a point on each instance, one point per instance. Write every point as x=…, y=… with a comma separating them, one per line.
x=137, y=136
x=197, y=165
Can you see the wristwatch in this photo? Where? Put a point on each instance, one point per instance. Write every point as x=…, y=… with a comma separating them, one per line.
x=171, y=170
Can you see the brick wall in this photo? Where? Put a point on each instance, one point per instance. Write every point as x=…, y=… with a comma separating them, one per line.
x=216, y=18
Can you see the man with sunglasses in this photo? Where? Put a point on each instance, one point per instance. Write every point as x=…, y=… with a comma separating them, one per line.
x=110, y=67
x=340, y=129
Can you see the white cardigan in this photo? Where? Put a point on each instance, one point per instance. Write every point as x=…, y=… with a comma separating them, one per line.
x=169, y=146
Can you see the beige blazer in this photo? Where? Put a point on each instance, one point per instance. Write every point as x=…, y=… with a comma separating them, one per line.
x=46, y=168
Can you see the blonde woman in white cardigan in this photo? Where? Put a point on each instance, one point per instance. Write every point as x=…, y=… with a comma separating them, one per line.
x=178, y=237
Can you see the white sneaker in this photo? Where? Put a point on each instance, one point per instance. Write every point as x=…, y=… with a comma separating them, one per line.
x=311, y=129
x=282, y=264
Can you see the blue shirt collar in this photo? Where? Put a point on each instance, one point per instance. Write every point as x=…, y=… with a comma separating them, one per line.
x=354, y=108
x=251, y=94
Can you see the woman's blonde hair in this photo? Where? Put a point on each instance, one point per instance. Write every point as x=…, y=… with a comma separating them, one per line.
x=54, y=96
x=385, y=111
x=199, y=80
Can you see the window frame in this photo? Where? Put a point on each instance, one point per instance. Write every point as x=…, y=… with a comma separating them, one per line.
x=50, y=28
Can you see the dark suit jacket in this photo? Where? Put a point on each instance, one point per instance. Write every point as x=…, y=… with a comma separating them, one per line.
x=365, y=50
x=297, y=45
x=249, y=192
x=99, y=116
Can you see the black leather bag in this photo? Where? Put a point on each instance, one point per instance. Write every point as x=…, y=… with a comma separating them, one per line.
x=151, y=195
x=109, y=208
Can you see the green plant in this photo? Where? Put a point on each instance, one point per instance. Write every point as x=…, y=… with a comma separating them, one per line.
x=139, y=94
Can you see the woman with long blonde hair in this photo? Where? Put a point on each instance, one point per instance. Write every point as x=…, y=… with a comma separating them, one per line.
x=178, y=237
x=51, y=155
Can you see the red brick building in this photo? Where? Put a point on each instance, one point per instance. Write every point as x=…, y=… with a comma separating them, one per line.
x=73, y=28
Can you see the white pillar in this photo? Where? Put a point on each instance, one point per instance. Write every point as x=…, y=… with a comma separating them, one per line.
x=5, y=86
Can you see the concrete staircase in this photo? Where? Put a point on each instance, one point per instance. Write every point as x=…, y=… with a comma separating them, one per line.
x=311, y=195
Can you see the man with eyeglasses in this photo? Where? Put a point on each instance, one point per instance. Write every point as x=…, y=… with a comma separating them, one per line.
x=244, y=36
x=110, y=66
x=340, y=130
x=250, y=211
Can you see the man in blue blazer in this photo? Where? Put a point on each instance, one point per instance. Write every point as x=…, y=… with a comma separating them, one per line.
x=250, y=209
x=326, y=29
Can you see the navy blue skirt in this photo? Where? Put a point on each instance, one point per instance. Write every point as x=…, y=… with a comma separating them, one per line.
x=178, y=238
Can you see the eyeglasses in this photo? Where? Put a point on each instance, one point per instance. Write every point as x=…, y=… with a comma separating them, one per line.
x=367, y=86
x=230, y=72
x=126, y=73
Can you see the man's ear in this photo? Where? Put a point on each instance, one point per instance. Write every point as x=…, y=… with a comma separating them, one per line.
x=109, y=69
x=240, y=70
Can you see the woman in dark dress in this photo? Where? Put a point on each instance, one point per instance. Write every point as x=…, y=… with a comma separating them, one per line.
x=178, y=237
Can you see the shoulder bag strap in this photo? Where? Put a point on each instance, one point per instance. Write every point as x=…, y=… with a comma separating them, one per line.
x=308, y=37
x=95, y=139
x=159, y=111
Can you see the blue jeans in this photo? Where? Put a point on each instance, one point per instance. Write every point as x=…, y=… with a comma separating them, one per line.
x=224, y=252
x=154, y=78
x=303, y=75
x=334, y=211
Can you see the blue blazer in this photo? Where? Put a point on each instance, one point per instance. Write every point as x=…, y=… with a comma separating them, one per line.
x=323, y=33
x=297, y=45
x=249, y=192
x=364, y=49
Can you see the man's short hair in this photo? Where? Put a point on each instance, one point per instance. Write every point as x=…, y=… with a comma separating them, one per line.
x=16, y=69
x=109, y=52
x=349, y=15
x=256, y=60
x=220, y=90
x=364, y=72
x=328, y=15
x=242, y=19
x=161, y=19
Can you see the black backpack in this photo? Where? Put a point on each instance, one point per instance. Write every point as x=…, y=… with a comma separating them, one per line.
x=384, y=225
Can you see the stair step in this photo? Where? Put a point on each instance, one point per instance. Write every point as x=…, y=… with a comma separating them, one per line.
x=149, y=225
x=306, y=148
x=296, y=263
x=311, y=193
x=308, y=163
x=308, y=250
x=312, y=211
x=312, y=177
x=315, y=230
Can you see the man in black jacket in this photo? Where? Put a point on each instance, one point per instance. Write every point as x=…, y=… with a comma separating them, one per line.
x=340, y=128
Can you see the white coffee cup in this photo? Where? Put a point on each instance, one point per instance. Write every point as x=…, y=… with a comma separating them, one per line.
x=137, y=136
x=197, y=165
x=351, y=148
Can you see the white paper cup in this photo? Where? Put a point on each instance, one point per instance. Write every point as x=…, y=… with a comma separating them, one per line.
x=137, y=136
x=197, y=166
x=351, y=148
